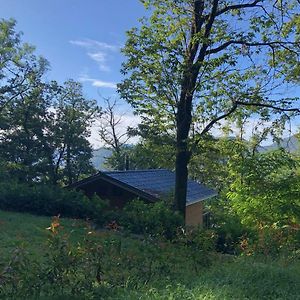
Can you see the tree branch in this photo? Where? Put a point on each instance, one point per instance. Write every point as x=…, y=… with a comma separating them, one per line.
x=234, y=107
x=266, y=105
x=238, y=6
x=217, y=119
x=207, y=32
x=254, y=44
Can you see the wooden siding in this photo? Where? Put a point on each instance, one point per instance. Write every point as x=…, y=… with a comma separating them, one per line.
x=117, y=196
x=194, y=214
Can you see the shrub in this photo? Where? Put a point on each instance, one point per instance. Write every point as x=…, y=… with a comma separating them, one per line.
x=48, y=200
x=199, y=244
x=274, y=240
x=150, y=218
x=228, y=227
x=99, y=264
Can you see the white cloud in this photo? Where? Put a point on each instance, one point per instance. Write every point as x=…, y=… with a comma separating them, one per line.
x=100, y=58
x=128, y=120
x=93, y=44
x=107, y=84
x=100, y=52
x=99, y=83
x=84, y=44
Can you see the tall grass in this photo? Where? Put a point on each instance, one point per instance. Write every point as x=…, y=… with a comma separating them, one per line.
x=79, y=263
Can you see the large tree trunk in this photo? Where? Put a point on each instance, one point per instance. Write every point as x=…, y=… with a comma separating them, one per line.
x=184, y=109
x=183, y=120
x=68, y=166
x=181, y=175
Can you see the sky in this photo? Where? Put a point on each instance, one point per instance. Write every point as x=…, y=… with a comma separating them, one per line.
x=80, y=39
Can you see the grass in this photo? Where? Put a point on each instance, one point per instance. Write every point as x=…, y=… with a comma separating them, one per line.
x=29, y=231
x=241, y=278
x=227, y=278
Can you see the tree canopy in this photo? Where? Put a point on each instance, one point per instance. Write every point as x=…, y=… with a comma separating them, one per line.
x=44, y=126
x=193, y=63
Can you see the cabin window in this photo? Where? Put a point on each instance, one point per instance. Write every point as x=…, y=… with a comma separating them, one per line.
x=206, y=219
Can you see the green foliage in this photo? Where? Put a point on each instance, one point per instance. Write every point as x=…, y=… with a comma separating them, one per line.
x=259, y=209
x=71, y=128
x=224, y=63
x=46, y=135
x=19, y=67
x=266, y=189
x=187, y=68
x=120, y=159
x=150, y=218
x=105, y=265
x=227, y=227
x=44, y=127
x=273, y=241
x=210, y=160
x=50, y=201
x=148, y=153
x=99, y=262
x=199, y=243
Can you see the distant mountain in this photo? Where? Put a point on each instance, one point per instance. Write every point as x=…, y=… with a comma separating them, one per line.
x=290, y=144
x=99, y=156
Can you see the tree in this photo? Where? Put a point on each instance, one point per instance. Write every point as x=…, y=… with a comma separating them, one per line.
x=193, y=63
x=23, y=108
x=44, y=127
x=74, y=115
x=265, y=189
x=22, y=146
x=45, y=138
x=113, y=134
x=152, y=150
x=19, y=67
x=149, y=154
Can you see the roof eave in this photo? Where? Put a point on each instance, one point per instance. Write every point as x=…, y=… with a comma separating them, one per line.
x=129, y=188
x=107, y=178
x=201, y=199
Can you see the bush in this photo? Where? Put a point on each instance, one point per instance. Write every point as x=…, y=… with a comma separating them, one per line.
x=274, y=241
x=98, y=264
x=199, y=244
x=150, y=218
x=228, y=227
x=48, y=200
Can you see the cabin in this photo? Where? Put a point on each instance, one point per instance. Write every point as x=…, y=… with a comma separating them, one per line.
x=119, y=187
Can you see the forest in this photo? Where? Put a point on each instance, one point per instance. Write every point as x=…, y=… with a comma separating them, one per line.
x=213, y=83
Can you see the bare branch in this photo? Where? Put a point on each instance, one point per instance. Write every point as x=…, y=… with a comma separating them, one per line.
x=110, y=125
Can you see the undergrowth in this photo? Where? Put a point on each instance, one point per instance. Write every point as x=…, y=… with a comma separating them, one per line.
x=69, y=259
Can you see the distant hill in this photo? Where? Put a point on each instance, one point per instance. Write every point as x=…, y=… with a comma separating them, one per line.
x=99, y=156
x=290, y=144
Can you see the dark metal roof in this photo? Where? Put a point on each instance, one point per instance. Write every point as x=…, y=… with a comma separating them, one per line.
x=159, y=183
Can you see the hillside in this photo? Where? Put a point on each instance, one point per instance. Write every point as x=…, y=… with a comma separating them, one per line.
x=291, y=144
x=131, y=268
x=99, y=156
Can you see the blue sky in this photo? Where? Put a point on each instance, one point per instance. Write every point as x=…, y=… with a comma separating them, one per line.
x=80, y=39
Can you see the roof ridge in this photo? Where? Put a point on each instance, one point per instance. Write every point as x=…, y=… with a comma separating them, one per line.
x=134, y=171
